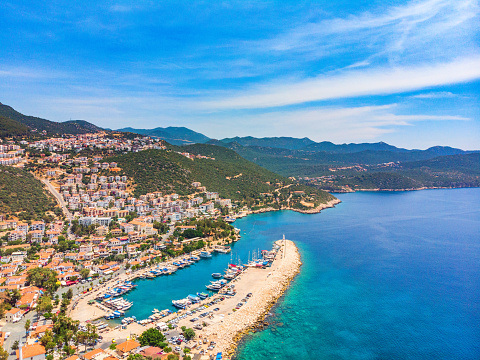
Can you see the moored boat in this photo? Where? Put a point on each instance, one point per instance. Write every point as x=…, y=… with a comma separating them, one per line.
x=202, y=295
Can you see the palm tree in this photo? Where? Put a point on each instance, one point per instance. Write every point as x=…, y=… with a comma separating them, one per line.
x=27, y=326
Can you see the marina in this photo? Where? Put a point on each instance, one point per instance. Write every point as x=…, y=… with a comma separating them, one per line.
x=205, y=311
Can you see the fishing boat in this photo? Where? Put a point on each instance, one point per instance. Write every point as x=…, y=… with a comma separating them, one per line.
x=181, y=304
x=205, y=254
x=193, y=298
x=217, y=275
x=214, y=287
x=222, y=249
x=202, y=295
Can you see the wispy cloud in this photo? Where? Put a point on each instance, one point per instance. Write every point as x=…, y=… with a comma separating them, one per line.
x=351, y=124
x=379, y=81
x=387, y=31
x=435, y=95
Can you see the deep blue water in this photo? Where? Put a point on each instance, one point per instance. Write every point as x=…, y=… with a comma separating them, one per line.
x=384, y=276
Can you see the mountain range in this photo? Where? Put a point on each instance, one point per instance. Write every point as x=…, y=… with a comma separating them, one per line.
x=185, y=136
x=172, y=134
x=345, y=166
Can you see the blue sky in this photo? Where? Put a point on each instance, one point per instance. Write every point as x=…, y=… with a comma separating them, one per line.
x=403, y=72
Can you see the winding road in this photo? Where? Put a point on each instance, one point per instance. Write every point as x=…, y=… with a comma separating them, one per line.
x=59, y=198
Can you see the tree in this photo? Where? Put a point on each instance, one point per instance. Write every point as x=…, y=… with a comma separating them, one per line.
x=84, y=273
x=44, y=278
x=44, y=305
x=69, y=294
x=188, y=333
x=15, y=345
x=27, y=326
x=47, y=341
x=14, y=296
x=152, y=337
x=2, y=311
x=3, y=353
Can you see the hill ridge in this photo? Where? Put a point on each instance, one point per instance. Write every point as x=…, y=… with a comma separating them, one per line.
x=73, y=127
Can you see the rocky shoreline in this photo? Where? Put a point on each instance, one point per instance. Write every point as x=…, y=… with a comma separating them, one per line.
x=316, y=210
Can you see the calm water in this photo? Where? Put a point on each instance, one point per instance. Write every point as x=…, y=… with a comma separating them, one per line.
x=385, y=276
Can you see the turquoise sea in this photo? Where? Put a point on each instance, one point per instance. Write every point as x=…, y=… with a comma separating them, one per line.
x=385, y=276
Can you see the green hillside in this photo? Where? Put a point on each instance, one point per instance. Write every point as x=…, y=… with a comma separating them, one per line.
x=454, y=171
x=21, y=193
x=9, y=127
x=69, y=127
x=228, y=174
x=173, y=134
x=159, y=170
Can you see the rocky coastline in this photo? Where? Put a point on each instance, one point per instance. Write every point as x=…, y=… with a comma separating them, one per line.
x=266, y=293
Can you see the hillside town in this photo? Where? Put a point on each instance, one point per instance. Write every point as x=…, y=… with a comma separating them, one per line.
x=98, y=232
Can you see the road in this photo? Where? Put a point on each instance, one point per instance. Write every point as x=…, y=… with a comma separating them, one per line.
x=17, y=332
x=59, y=198
x=63, y=205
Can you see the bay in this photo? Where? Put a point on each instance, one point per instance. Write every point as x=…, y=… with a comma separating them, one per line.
x=385, y=275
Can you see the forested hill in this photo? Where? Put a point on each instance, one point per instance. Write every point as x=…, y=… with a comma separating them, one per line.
x=51, y=127
x=22, y=194
x=395, y=169
x=9, y=127
x=273, y=142
x=173, y=134
x=160, y=170
x=223, y=171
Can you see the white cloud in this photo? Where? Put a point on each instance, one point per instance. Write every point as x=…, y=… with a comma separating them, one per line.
x=378, y=81
x=390, y=30
x=351, y=124
x=435, y=95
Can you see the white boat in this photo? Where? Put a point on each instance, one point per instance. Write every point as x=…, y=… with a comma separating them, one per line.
x=181, y=304
x=193, y=298
x=214, y=287
x=205, y=254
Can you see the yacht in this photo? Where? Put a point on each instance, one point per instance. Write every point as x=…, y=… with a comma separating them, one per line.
x=214, y=287
x=181, y=304
x=205, y=254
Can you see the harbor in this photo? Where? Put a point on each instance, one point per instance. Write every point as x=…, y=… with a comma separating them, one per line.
x=240, y=292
